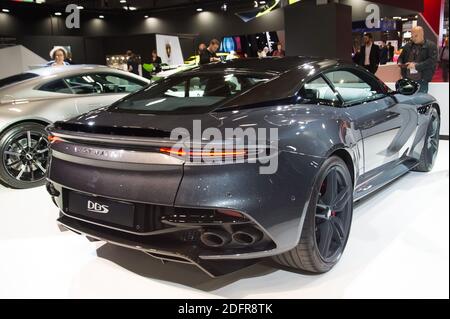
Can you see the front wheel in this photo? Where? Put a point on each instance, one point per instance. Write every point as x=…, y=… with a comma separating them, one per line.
x=24, y=151
x=327, y=222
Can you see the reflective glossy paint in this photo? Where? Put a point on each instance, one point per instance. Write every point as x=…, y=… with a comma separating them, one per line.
x=379, y=140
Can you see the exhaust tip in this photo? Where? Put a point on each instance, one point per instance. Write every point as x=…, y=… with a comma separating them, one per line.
x=216, y=238
x=247, y=237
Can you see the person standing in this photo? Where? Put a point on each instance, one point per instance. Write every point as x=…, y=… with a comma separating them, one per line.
x=201, y=48
x=384, y=54
x=156, y=61
x=443, y=60
x=391, y=52
x=59, y=56
x=279, y=51
x=132, y=63
x=209, y=55
x=370, y=54
x=419, y=59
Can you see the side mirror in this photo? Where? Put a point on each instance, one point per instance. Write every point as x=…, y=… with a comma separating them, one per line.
x=407, y=87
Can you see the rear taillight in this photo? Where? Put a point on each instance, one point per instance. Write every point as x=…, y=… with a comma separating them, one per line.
x=53, y=139
x=204, y=154
x=229, y=212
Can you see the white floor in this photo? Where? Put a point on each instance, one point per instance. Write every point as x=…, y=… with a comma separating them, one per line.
x=399, y=247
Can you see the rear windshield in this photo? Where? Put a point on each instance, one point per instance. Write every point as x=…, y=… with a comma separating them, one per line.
x=189, y=94
x=17, y=78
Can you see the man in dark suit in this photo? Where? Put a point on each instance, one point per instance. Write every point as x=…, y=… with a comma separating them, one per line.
x=370, y=54
x=384, y=54
x=391, y=52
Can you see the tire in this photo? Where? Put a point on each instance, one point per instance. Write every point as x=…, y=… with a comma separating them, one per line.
x=431, y=144
x=322, y=219
x=23, y=156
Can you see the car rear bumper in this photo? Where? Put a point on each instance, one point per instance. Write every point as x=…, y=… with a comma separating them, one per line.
x=272, y=207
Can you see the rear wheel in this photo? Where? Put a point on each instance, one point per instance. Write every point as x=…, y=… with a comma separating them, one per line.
x=327, y=222
x=24, y=154
x=431, y=145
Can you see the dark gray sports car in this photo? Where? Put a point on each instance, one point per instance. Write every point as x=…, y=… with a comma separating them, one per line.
x=231, y=162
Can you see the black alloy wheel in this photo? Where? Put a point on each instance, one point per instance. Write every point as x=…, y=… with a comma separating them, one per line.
x=333, y=215
x=431, y=143
x=24, y=154
x=327, y=222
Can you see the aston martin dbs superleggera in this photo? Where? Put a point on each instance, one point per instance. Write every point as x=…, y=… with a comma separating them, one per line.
x=119, y=174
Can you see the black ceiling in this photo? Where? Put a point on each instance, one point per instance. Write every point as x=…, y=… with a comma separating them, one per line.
x=144, y=5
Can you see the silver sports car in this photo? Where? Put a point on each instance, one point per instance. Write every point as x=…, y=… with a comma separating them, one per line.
x=32, y=100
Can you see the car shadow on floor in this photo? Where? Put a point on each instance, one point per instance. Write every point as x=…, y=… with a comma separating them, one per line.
x=191, y=276
x=184, y=274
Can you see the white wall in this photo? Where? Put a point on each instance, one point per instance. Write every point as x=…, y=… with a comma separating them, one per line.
x=441, y=92
x=17, y=59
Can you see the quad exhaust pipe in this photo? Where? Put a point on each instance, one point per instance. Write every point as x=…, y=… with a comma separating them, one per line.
x=215, y=238
x=220, y=238
x=247, y=237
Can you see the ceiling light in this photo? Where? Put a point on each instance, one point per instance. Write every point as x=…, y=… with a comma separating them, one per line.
x=224, y=7
x=57, y=13
x=80, y=7
x=199, y=9
x=146, y=17
x=5, y=10
x=123, y=1
x=101, y=16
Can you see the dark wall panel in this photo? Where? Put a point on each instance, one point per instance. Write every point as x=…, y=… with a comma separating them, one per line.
x=329, y=36
x=139, y=44
x=94, y=51
x=42, y=45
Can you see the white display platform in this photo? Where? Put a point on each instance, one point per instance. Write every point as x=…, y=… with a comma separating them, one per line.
x=440, y=91
x=398, y=248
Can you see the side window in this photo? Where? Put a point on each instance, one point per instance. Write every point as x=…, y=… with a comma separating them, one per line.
x=318, y=92
x=354, y=88
x=178, y=90
x=57, y=86
x=121, y=84
x=84, y=84
x=103, y=83
x=196, y=87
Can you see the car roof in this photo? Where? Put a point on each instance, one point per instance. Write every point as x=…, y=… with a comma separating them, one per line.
x=286, y=75
x=269, y=64
x=46, y=71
